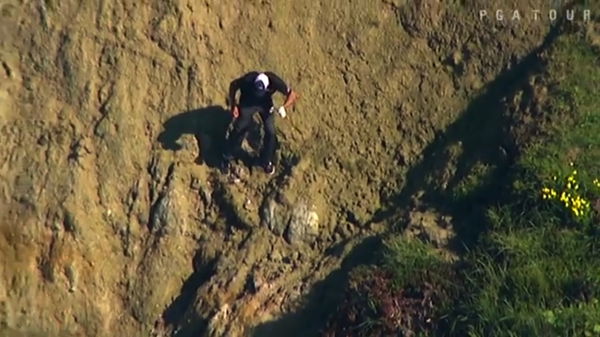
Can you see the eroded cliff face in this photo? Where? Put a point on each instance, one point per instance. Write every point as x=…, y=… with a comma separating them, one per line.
x=113, y=217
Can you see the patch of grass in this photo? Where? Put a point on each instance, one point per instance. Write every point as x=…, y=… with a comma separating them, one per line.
x=523, y=274
x=474, y=184
x=537, y=271
x=577, y=141
x=410, y=262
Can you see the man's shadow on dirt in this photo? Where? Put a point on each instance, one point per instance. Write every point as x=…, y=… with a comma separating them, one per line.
x=209, y=126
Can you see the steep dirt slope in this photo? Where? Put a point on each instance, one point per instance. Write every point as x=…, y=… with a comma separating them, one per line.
x=110, y=225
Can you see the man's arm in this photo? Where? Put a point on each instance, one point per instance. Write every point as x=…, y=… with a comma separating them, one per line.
x=282, y=87
x=290, y=99
x=234, y=86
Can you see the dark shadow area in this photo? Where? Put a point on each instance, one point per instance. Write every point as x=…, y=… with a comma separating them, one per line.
x=483, y=130
x=180, y=313
x=208, y=125
x=323, y=299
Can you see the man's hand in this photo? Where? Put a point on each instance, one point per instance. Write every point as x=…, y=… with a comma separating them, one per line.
x=235, y=111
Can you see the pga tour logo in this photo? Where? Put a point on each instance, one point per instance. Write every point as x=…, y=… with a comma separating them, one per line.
x=534, y=14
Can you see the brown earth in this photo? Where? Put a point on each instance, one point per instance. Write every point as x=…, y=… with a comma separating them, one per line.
x=114, y=220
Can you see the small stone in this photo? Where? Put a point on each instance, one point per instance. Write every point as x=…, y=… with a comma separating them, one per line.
x=272, y=217
x=205, y=194
x=457, y=58
x=43, y=140
x=69, y=223
x=337, y=237
x=275, y=255
x=56, y=227
x=255, y=282
x=71, y=275
x=295, y=255
x=7, y=70
x=344, y=230
x=476, y=84
x=238, y=173
x=195, y=184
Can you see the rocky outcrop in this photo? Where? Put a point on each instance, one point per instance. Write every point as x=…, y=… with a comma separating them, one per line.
x=297, y=222
x=304, y=224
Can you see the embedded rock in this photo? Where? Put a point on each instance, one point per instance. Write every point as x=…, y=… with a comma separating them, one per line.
x=304, y=224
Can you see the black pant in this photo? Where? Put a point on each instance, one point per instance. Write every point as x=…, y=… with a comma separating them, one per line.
x=240, y=128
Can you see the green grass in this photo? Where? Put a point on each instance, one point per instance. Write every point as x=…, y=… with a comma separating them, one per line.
x=578, y=140
x=410, y=262
x=473, y=185
x=524, y=274
x=537, y=271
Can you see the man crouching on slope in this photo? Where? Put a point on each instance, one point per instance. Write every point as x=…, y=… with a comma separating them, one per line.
x=257, y=89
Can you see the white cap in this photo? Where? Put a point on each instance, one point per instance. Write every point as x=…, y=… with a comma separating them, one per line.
x=262, y=77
